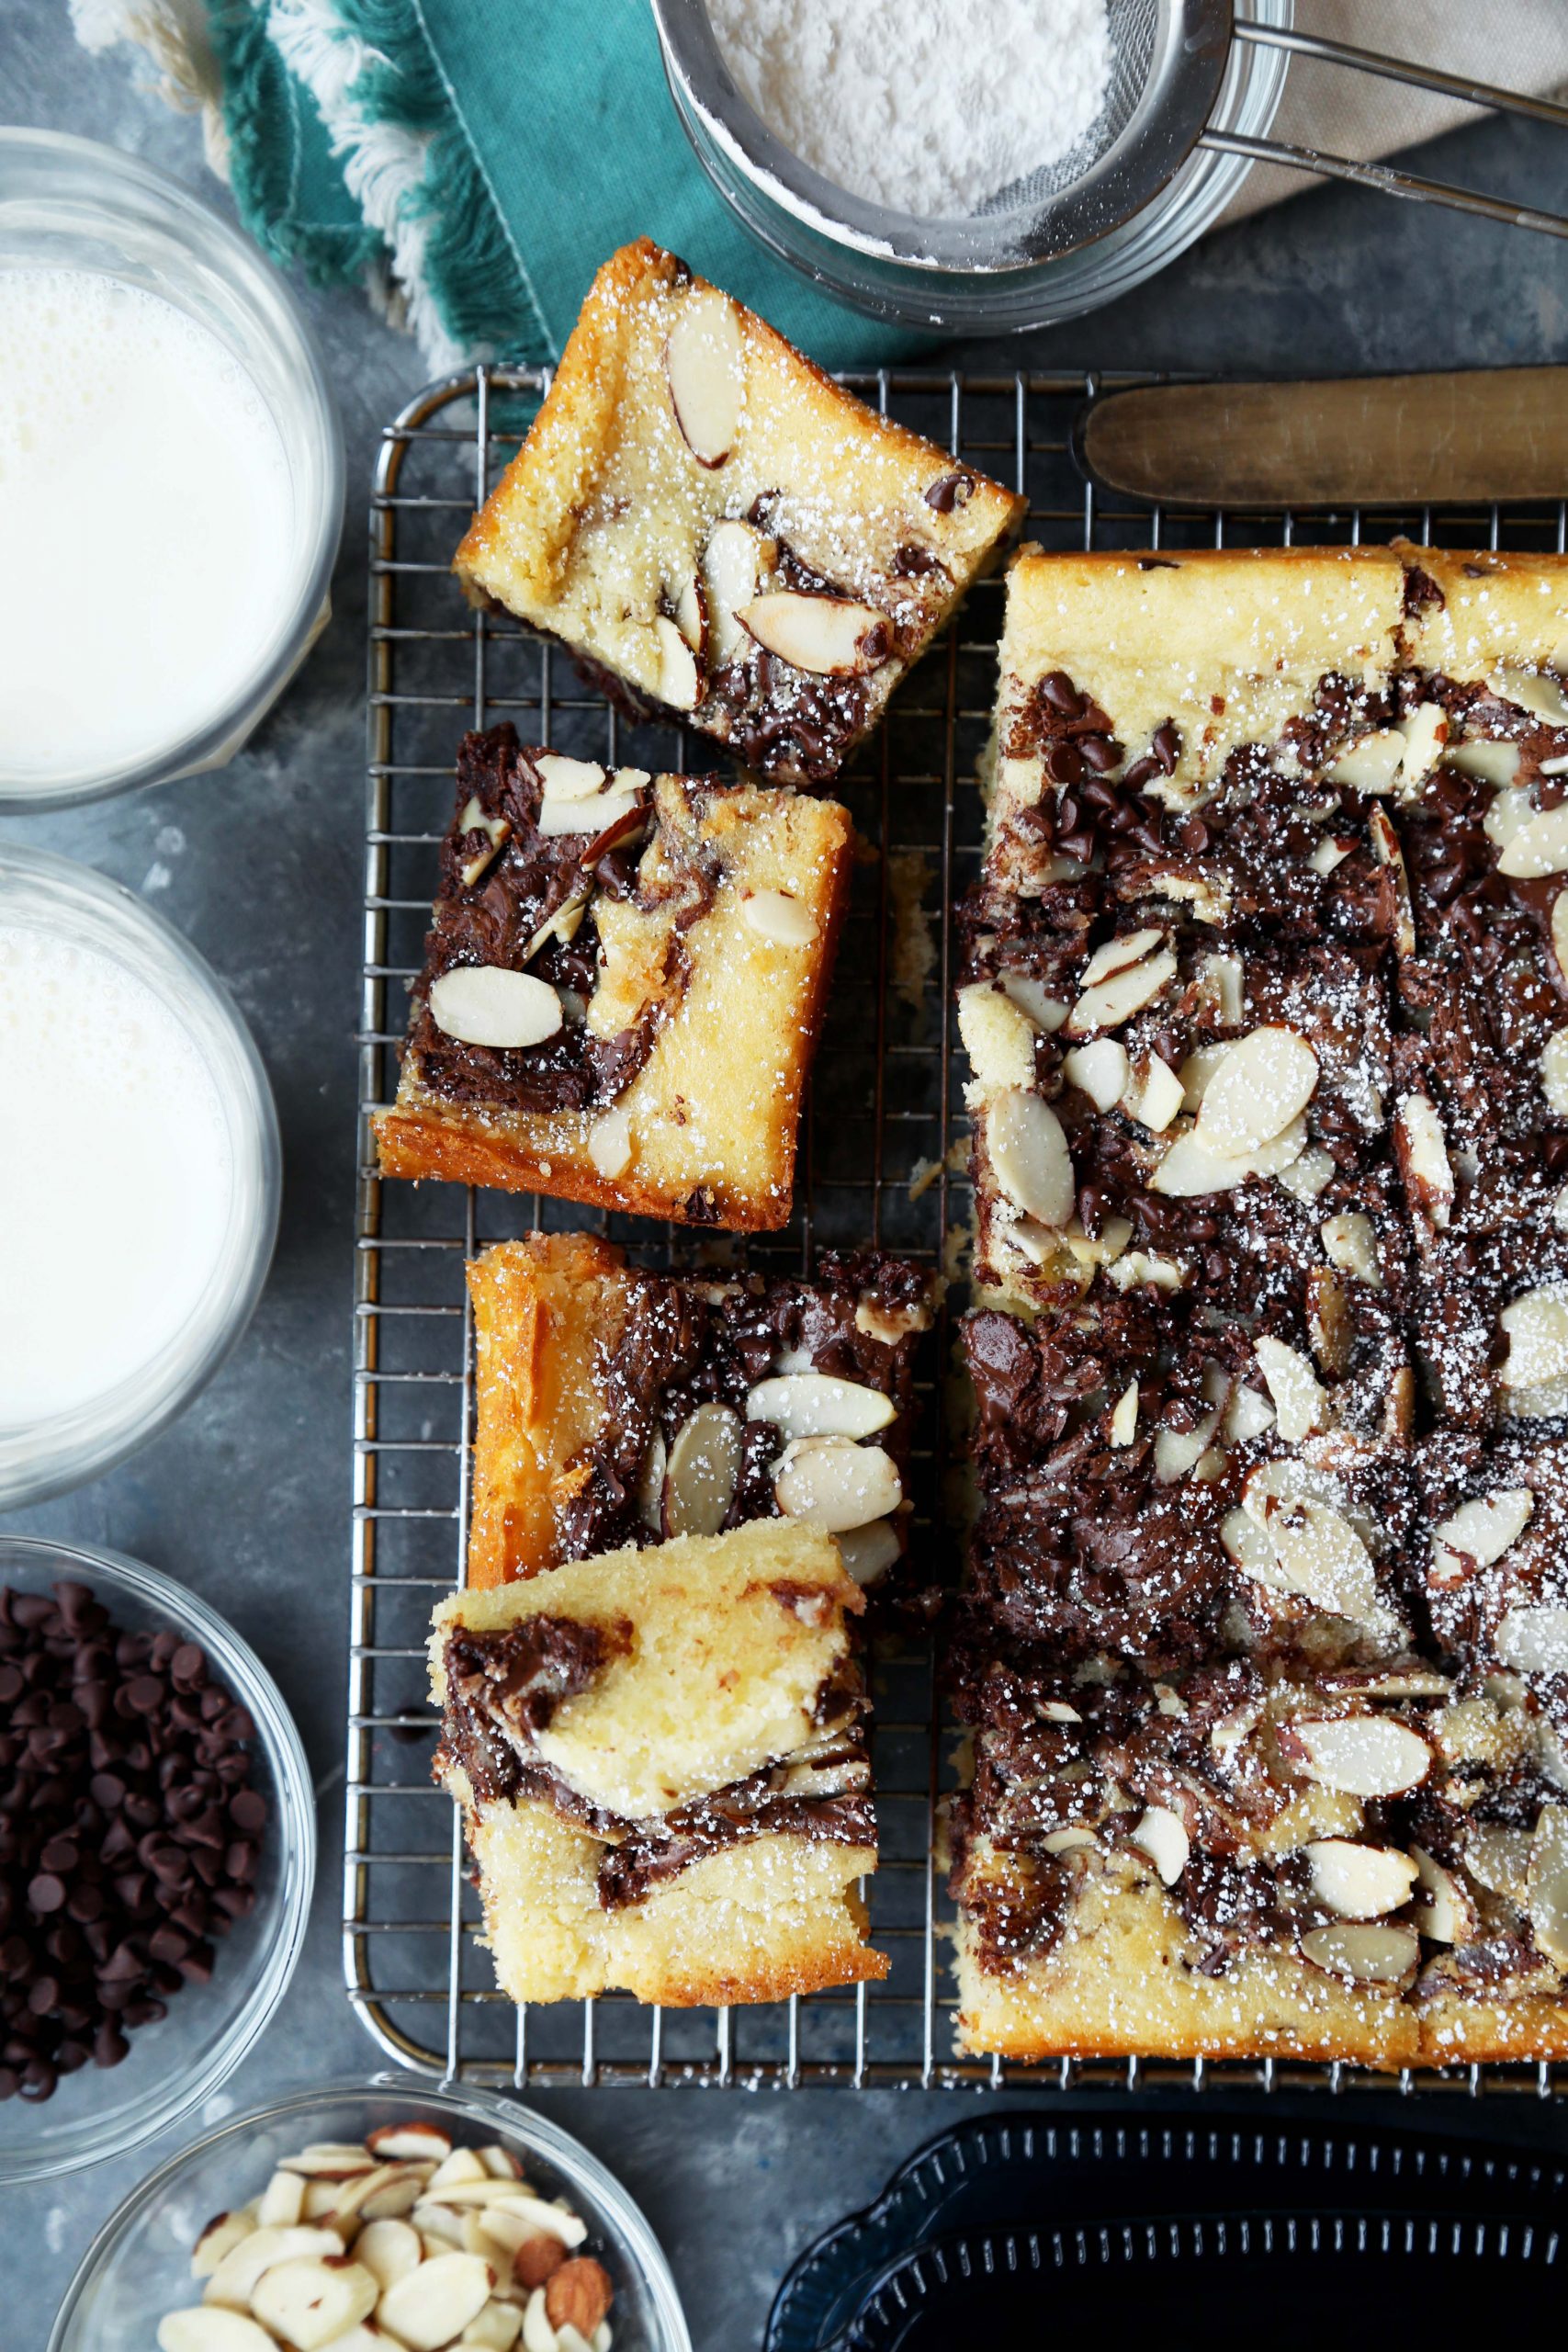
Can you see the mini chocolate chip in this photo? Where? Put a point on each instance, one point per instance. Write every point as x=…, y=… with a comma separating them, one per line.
x=110, y=2045
x=46, y=1892
x=1060, y=692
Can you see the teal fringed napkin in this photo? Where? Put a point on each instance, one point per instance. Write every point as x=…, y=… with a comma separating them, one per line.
x=489, y=154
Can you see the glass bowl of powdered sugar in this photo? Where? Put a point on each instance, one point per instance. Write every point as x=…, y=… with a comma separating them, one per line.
x=138, y=1173
x=971, y=167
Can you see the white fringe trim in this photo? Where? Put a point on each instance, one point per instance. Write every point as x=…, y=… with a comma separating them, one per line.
x=383, y=166
x=172, y=35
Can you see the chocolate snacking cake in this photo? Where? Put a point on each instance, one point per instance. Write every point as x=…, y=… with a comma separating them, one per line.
x=619, y=1406
x=662, y=1765
x=1262, y=993
x=721, y=533
x=622, y=988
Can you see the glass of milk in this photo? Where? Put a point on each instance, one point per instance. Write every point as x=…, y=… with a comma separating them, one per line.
x=140, y=1173
x=171, y=477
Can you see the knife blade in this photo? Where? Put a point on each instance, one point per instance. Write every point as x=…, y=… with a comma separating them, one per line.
x=1481, y=433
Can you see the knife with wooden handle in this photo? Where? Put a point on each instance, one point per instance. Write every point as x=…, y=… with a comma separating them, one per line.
x=1357, y=441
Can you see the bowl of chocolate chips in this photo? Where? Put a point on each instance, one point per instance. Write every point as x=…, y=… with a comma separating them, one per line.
x=157, y=1849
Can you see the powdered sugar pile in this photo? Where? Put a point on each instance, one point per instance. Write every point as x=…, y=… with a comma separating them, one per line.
x=928, y=107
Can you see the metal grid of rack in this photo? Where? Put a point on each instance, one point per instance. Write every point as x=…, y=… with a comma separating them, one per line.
x=881, y=1160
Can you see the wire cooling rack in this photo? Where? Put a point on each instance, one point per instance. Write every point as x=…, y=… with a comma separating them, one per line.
x=880, y=1162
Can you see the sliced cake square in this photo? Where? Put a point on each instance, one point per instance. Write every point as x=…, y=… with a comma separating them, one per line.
x=623, y=987
x=663, y=1764
x=723, y=534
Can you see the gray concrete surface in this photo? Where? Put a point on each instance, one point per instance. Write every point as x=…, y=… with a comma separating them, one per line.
x=245, y=1498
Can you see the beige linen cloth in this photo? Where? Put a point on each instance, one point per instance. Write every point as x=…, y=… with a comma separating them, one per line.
x=1515, y=44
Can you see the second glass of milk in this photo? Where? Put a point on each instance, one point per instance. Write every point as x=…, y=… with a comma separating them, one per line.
x=171, y=477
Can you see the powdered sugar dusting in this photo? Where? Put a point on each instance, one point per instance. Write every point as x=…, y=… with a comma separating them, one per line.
x=928, y=107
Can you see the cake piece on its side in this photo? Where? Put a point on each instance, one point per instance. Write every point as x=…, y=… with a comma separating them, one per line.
x=617, y=1405
x=623, y=988
x=738, y=541
x=661, y=1759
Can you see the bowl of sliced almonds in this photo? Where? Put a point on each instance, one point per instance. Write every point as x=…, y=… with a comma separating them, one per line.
x=376, y=2217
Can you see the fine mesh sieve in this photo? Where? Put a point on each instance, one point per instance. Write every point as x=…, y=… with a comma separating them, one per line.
x=1170, y=59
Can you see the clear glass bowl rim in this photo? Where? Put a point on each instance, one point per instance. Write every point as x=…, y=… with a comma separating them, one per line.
x=508, y=2118
x=294, y=1824
x=213, y=246
x=92, y=1438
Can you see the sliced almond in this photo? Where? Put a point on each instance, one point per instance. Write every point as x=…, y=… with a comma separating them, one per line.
x=1371, y=763
x=839, y=1484
x=1222, y=989
x=1266, y=1080
x=1350, y=1242
x=1098, y=1069
x=564, y=779
x=1249, y=1415
x=705, y=1466
x=206, y=2329
x=384, y=2194
x=435, y=2302
x=704, y=365
x=610, y=1144
x=495, y=2327
x=1029, y=1155
x=1040, y=1008
x=1197, y=1070
x=651, y=1484
x=1300, y=1403
x=329, y=2160
x=1536, y=1327
x=1494, y=763
x=1162, y=1836
x=1480, y=1531
x=1367, y=1952
x=560, y=820
x=1119, y=955
x=1065, y=1841
x=309, y=2302
x=538, y=2218
x=680, y=680
x=234, y=2282
x=389, y=2250
x=1177, y=1452
x=1328, y=854
x=1317, y=1556
x=1498, y=1859
x=1387, y=851
x=1425, y=740
x=1123, y=1424
x=816, y=1404
x=1533, y=1639
x=1307, y=1174
x=780, y=918
x=319, y=2201
x=1190, y=1170
x=1554, y=1073
x=1547, y=1882
x=1358, y=1882
x=869, y=1551
x=283, y=2201
x=829, y=637
x=735, y=562
x=485, y=1005
x=1364, y=1756
x=691, y=611
x=1424, y=1158
x=1153, y=1095
x=1559, y=931
x=1109, y=1002
x=1444, y=1910
x=223, y=2233
x=1533, y=690
x=1540, y=847
x=417, y=2142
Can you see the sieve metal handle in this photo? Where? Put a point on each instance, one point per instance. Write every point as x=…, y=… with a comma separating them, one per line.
x=1383, y=176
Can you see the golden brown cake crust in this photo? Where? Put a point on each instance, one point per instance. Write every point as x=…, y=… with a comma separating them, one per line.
x=606, y=509
x=715, y=1108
